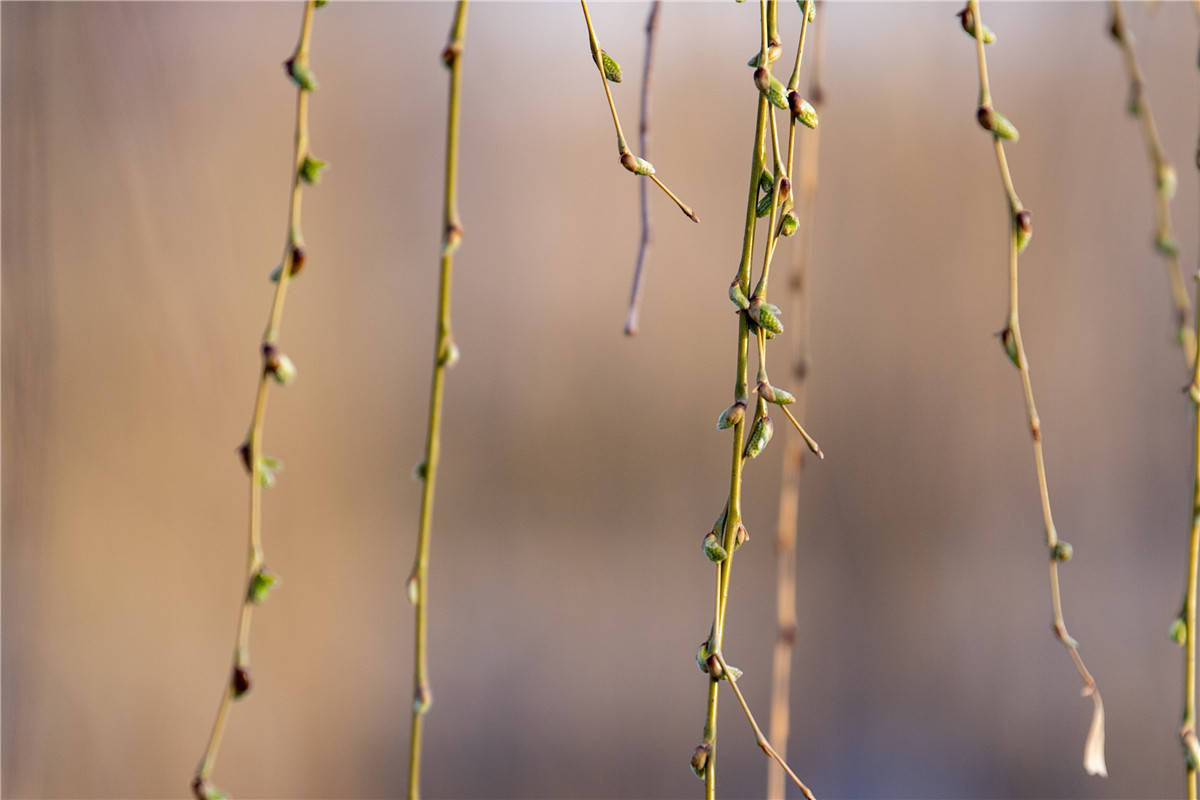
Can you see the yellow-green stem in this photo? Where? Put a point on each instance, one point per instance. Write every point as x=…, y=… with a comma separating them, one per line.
x=252, y=447
x=1164, y=233
x=622, y=146
x=1094, y=748
x=442, y=360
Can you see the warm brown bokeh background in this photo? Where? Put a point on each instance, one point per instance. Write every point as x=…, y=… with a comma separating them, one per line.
x=145, y=149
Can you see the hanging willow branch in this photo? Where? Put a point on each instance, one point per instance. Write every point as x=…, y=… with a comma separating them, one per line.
x=1165, y=182
x=759, y=319
x=1020, y=231
x=276, y=367
x=445, y=354
x=610, y=71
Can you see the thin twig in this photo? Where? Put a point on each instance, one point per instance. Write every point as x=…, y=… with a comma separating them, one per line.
x=445, y=354
x=1187, y=733
x=647, y=238
x=278, y=367
x=635, y=164
x=1020, y=229
x=1164, y=182
x=759, y=738
x=794, y=449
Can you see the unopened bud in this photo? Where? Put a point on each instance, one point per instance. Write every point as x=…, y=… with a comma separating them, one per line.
x=1165, y=245
x=1062, y=551
x=762, y=79
x=802, y=110
x=203, y=789
x=765, y=315
x=278, y=365
x=1178, y=631
x=636, y=165
x=811, y=9
x=740, y=536
x=413, y=588
x=766, y=181
x=731, y=416
x=1024, y=226
x=764, y=205
x=764, y=428
x=702, y=657
x=240, y=682
x=422, y=698
x=788, y=225
x=420, y=471
x=448, y=355
x=968, y=25
x=261, y=585
x=1009, y=340
x=738, y=295
x=300, y=74
x=1168, y=180
x=700, y=759
x=992, y=120
x=609, y=66
x=785, y=188
x=311, y=169
x=713, y=549
x=773, y=394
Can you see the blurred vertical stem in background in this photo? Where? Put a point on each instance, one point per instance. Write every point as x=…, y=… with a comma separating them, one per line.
x=1165, y=182
x=610, y=72
x=277, y=367
x=445, y=354
x=1182, y=630
x=647, y=237
x=1020, y=231
x=794, y=446
x=760, y=319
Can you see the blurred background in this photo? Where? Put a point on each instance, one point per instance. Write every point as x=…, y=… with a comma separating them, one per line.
x=147, y=149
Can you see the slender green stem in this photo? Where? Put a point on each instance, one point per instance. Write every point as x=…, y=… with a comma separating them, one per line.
x=251, y=450
x=1164, y=182
x=444, y=355
x=1188, y=731
x=1058, y=551
x=627, y=158
x=759, y=738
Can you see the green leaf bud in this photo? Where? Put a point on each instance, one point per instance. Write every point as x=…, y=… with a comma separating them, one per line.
x=636, y=165
x=992, y=120
x=1178, y=631
x=788, y=225
x=261, y=585
x=1061, y=551
x=1009, y=340
x=713, y=550
x=1024, y=227
x=968, y=25
x=761, y=434
x=731, y=416
x=738, y=295
x=300, y=74
x=311, y=169
x=610, y=68
x=802, y=110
